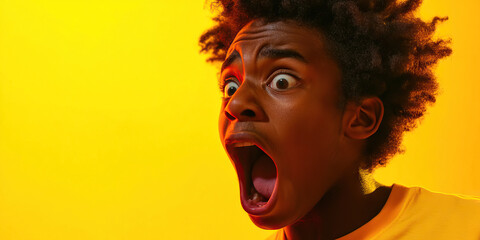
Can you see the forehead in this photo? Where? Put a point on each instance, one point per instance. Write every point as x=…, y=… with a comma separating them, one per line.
x=286, y=34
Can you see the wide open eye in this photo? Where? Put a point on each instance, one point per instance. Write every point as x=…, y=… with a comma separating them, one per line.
x=283, y=82
x=230, y=88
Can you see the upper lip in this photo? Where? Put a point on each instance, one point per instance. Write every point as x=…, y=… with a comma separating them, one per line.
x=236, y=139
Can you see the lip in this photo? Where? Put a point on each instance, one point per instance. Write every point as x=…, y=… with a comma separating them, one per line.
x=231, y=141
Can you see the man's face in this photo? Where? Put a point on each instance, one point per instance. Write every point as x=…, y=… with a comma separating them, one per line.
x=280, y=121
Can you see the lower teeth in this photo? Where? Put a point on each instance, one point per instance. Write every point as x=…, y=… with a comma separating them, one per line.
x=257, y=198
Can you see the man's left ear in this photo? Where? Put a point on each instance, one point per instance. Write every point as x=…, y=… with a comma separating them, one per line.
x=363, y=119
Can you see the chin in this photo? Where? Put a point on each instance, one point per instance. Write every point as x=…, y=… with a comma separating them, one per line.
x=276, y=220
x=267, y=223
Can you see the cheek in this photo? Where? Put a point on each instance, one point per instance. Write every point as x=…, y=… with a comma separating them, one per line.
x=312, y=154
x=308, y=144
x=222, y=124
x=307, y=163
x=308, y=131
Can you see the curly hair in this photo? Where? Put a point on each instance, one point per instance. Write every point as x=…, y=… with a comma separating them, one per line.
x=381, y=48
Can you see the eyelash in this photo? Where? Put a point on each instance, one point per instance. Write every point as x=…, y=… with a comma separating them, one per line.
x=223, y=83
x=278, y=71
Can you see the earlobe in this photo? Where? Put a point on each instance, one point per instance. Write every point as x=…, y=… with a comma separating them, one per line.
x=363, y=120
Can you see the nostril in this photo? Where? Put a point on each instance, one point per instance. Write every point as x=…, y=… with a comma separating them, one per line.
x=229, y=116
x=248, y=113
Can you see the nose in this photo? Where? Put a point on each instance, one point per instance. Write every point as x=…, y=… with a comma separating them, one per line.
x=244, y=105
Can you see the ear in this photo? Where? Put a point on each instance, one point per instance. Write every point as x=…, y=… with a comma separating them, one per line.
x=362, y=120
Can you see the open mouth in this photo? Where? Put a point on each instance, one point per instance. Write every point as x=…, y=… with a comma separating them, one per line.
x=257, y=175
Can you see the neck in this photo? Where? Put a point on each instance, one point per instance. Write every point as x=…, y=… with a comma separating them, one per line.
x=351, y=203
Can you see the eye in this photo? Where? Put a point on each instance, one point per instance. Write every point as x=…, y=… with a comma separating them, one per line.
x=230, y=88
x=283, y=82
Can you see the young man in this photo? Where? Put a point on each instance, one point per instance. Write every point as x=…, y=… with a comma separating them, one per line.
x=316, y=95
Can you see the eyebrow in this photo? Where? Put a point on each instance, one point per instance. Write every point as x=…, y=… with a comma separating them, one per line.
x=230, y=59
x=266, y=52
x=270, y=52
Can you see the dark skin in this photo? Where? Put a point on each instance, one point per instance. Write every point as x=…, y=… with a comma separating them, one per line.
x=283, y=93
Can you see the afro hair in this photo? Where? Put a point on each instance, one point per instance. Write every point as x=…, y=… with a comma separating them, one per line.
x=380, y=46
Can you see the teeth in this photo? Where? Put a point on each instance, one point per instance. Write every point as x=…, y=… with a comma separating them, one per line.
x=256, y=198
x=243, y=144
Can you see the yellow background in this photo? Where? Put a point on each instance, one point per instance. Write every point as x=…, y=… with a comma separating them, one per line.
x=108, y=122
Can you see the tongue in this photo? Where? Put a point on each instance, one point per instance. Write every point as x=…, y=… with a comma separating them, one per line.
x=264, y=175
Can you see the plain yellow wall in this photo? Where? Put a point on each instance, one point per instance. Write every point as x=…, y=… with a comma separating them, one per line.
x=108, y=122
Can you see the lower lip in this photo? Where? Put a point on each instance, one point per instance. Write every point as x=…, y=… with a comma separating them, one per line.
x=252, y=208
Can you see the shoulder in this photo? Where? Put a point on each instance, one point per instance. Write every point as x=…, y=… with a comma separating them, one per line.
x=450, y=216
x=440, y=202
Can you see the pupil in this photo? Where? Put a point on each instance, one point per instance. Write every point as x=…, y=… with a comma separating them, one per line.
x=282, y=83
x=231, y=90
